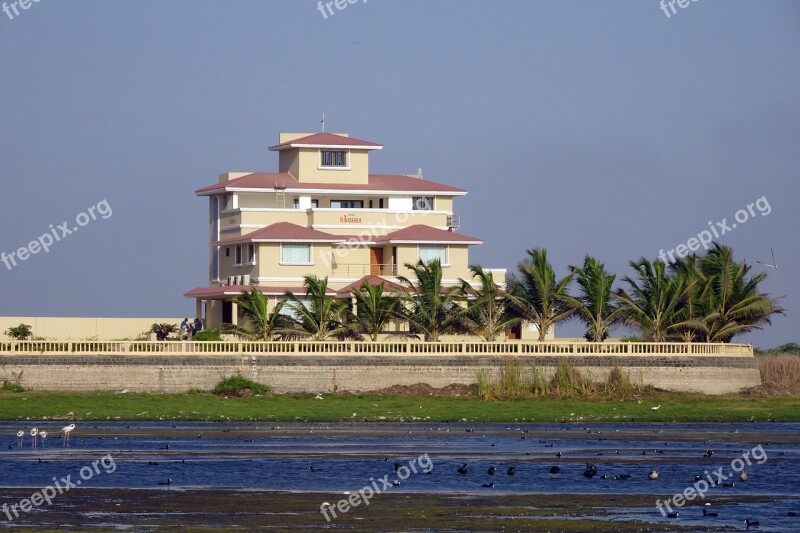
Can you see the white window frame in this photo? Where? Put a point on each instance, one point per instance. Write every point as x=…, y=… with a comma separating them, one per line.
x=303, y=263
x=446, y=250
x=346, y=166
x=238, y=256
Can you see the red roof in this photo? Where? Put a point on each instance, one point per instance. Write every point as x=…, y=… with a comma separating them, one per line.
x=421, y=233
x=283, y=232
x=268, y=181
x=388, y=286
x=222, y=291
x=326, y=140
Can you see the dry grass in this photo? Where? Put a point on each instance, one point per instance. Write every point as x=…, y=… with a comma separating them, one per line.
x=780, y=373
x=513, y=382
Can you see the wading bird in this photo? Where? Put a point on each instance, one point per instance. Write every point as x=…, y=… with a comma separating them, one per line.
x=66, y=430
x=43, y=434
x=20, y=437
x=34, y=432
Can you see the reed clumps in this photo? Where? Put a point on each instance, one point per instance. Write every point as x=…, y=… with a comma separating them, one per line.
x=515, y=381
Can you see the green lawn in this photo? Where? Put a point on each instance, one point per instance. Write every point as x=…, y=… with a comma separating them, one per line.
x=349, y=407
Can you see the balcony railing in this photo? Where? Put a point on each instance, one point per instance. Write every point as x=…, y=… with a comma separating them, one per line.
x=359, y=270
x=364, y=348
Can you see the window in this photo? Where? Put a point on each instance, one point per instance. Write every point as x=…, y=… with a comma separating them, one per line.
x=296, y=253
x=227, y=251
x=215, y=237
x=296, y=204
x=251, y=253
x=430, y=253
x=227, y=202
x=423, y=203
x=347, y=204
x=333, y=158
x=238, y=257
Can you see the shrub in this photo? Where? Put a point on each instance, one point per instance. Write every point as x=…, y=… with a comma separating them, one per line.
x=617, y=385
x=11, y=387
x=238, y=385
x=207, y=335
x=21, y=333
x=163, y=331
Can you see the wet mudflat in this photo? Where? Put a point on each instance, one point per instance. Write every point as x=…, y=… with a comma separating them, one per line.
x=223, y=477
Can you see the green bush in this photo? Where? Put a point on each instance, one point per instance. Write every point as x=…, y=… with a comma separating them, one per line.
x=21, y=333
x=207, y=335
x=238, y=385
x=11, y=387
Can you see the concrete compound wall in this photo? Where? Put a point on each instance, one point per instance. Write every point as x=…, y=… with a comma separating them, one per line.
x=710, y=375
x=85, y=328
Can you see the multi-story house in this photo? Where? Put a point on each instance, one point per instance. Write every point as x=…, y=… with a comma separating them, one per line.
x=324, y=214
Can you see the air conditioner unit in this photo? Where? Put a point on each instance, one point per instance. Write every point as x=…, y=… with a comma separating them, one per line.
x=246, y=279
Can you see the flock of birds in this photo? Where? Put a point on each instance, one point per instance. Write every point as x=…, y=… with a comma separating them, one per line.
x=36, y=434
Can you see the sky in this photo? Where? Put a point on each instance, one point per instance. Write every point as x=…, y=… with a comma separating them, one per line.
x=601, y=128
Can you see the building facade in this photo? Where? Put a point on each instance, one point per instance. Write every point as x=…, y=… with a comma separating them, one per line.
x=323, y=213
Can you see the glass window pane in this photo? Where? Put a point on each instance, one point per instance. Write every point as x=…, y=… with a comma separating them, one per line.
x=296, y=253
x=430, y=253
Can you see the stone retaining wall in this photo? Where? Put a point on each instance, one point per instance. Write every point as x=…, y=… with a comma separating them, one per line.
x=711, y=375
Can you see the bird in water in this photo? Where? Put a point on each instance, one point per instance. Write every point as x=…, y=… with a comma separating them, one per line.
x=672, y=515
x=167, y=482
x=708, y=513
x=43, y=434
x=554, y=470
x=743, y=476
x=590, y=471
x=463, y=469
x=750, y=523
x=488, y=485
x=491, y=471
x=653, y=475
x=66, y=430
x=511, y=471
x=20, y=438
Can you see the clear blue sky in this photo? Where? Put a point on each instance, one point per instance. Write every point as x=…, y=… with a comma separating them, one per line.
x=583, y=127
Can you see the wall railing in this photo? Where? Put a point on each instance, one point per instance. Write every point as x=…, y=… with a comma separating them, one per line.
x=356, y=348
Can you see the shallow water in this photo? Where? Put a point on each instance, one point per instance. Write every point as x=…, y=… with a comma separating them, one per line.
x=348, y=457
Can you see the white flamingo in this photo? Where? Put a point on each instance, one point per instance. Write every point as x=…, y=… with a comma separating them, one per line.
x=34, y=432
x=43, y=434
x=66, y=430
x=20, y=436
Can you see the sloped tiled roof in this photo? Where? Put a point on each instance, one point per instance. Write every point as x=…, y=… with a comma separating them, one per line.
x=283, y=232
x=268, y=181
x=325, y=140
x=424, y=234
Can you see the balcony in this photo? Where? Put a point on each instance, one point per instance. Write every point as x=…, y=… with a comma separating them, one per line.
x=359, y=270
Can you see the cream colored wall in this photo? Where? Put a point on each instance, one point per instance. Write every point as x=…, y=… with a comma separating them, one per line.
x=264, y=200
x=69, y=328
x=443, y=203
x=308, y=171
x=269, y=258
x=458, y=257
x=263, y=219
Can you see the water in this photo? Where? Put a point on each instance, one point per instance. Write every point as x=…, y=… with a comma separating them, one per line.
x=347, y=457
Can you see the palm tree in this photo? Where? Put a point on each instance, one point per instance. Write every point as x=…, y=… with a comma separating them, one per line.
x=687, y=270
x=374, y=310
x=536, y=296
x=654, y=304
x=594, y=303
x=429, y=308
x=264, y=325
x=319, y=316
x=486, y=314
x=733, y=304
